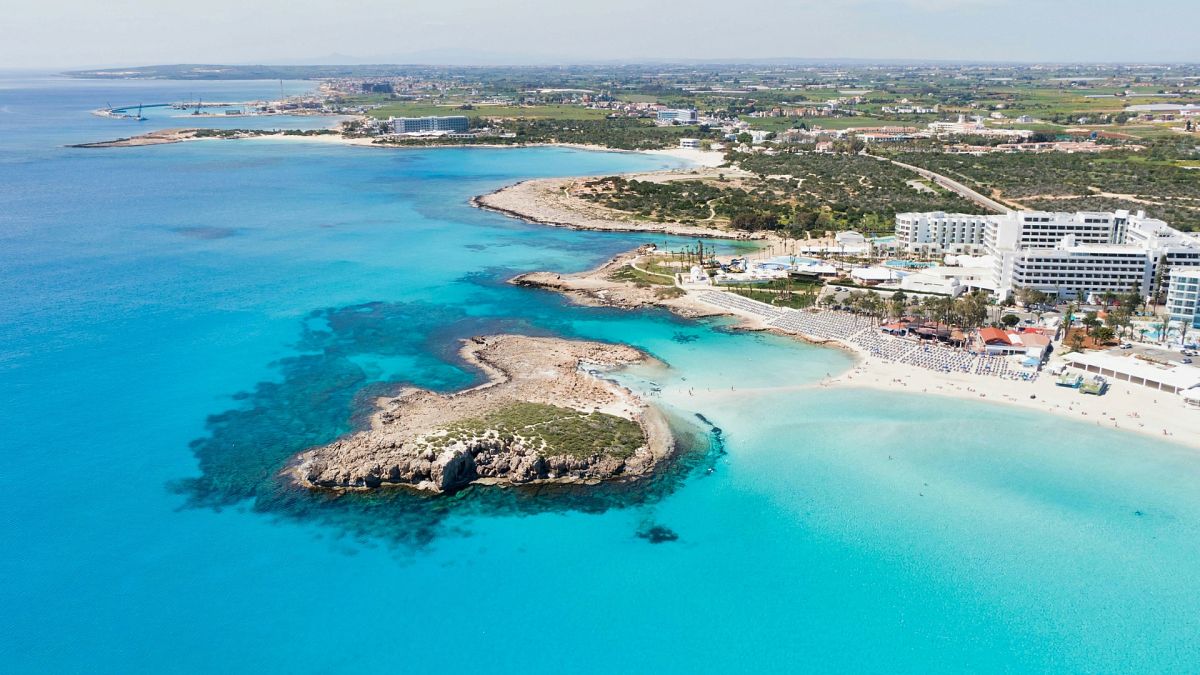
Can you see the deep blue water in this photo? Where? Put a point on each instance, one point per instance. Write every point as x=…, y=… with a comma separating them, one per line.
x=176, y=321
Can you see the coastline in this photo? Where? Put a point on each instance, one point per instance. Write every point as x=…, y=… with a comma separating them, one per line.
x=536, y=201
x=547, y=201
x=693, y=157
x=1125, y=407
x=540, y=201
x=596, y=288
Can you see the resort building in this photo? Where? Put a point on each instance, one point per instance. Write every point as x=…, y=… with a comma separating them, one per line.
x=1071, y=255
x=689, y=143
x=938, y=233
x=1183, y=297
x=677, y=116
x=417, y=125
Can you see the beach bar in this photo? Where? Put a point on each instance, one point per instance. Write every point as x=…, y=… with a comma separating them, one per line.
x=1135, y=371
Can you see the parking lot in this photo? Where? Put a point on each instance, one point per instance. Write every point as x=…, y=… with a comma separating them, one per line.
x=1154, y=353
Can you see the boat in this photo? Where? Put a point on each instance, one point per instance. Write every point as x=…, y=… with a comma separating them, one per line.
x=1097, y=384
x=1072, y=380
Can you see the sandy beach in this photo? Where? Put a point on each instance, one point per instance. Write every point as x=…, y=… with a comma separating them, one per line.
x=692, y=156
x=1125, y=406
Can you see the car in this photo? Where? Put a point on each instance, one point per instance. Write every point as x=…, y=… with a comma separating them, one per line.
x=1186, y=360
x=1126, y=346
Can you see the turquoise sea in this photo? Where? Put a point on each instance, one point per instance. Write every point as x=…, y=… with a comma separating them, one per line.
x=176, y=321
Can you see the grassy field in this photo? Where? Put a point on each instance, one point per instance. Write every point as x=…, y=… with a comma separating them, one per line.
x=641, y=278
x=797, y=300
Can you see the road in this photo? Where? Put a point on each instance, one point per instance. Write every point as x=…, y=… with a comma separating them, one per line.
x=952, y=185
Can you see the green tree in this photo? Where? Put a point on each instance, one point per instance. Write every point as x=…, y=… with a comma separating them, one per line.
x=1076, y=342
x=1090, y=321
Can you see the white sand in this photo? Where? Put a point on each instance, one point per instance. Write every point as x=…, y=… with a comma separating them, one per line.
x=1125, y=406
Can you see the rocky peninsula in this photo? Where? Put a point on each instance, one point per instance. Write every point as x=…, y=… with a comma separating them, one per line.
x=168, y=136
x=619, y=282
x=544, y=414
x=554, y=202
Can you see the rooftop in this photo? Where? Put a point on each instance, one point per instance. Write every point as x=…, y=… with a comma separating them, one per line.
x=1180, y=377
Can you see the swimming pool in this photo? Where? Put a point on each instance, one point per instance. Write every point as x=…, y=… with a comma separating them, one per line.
x=909, y=264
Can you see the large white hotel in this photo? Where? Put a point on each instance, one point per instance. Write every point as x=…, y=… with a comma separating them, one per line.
x=1072, y=255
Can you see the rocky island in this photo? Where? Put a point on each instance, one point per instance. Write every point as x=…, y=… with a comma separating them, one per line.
x=543, y=415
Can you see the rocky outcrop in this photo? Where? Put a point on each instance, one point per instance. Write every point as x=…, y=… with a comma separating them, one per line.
x=439, y=443
x=345, y=465
x=599, y=287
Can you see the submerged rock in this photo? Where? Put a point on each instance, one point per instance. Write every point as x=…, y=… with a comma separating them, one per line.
x=657, y=534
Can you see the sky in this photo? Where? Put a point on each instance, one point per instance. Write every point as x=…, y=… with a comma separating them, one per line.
x=88, y=33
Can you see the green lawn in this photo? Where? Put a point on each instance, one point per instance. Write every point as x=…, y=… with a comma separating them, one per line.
x=628, y=273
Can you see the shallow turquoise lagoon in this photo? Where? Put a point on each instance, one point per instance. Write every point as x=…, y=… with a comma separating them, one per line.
x=178, y=320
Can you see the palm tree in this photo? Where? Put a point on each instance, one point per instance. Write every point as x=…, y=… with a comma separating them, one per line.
x=1069, y=319
x=1076, y=342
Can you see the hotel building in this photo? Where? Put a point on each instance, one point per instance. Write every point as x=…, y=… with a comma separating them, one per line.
x=1071, y=255
x=1183, y=296
x=416, y=125
x=667, y=117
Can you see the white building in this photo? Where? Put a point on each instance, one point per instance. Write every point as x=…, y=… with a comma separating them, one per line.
x=850, y=239
x=938, y=233
x=1068, y=254
x=952, y=280
x=973, y=127
x=1179, y=379
x=689, y=143
x=923, y=282
x=876, y=275
x=677, y=116
x=1183, y=297
x=415, y=125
